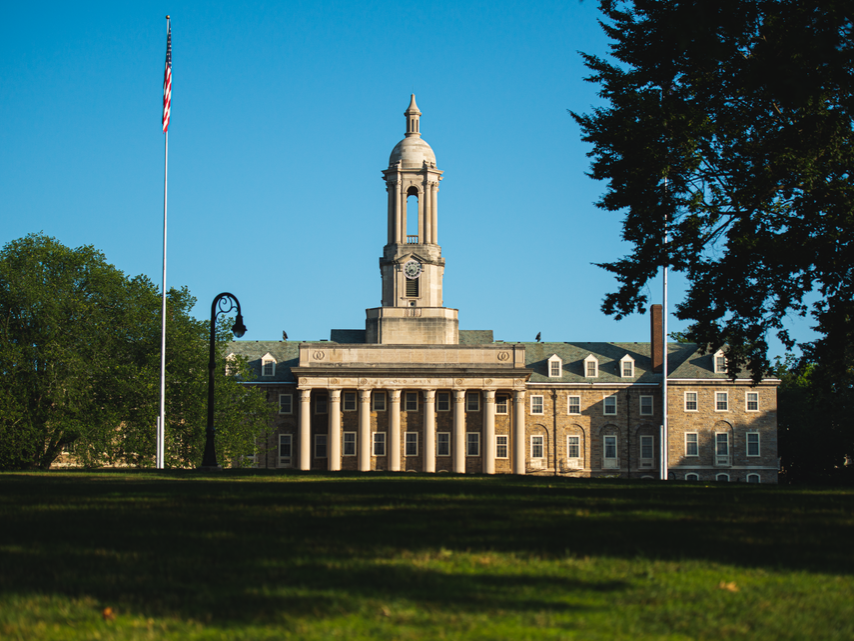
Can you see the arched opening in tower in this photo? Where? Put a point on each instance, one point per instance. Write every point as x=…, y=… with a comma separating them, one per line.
x=412, y=215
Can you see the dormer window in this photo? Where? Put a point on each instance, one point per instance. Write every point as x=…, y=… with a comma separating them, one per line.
x=230, y=369
x=627, y=367
x=555, y=366
x=268, y=365
x=720, y=362
x=591, y=367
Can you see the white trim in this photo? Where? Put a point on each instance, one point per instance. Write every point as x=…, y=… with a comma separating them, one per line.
x=554, y=358
x=542, y=405
x=285, y=461
x=627, y=359
x=651, y=405
x=318, y=437
x=719, y=475
x=406, y=444
x=696, y=401
x=758, y=443
x=355, y=399
x=715, y=365
x=723, y=460
x=473, y=394
x=758, y=478
x=696, y=443
x=447, y=442
x=374, y=396
x=694, y=474
x=569, y=405
x=591, y=359
x=647, y=461
x=290, y=403
x=605, y=404
x=502, y=399
x=344, y=443
x=469, y=442
x=406, y=397
x=610, y=462
x=266, y=359
x=542, y=444
x=438, y=403
x=726, y=399
x=506, y=446
x=375, y=442
x=747, y=401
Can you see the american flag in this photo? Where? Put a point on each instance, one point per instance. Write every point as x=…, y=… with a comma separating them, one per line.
x=167, y=80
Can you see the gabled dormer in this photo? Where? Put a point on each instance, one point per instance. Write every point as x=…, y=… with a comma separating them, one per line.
x=627, y=367
x=555, y=365
x=591, y=367
x=268, y=365
x=719, y=362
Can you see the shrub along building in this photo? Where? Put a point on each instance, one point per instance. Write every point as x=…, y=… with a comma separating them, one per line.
x=413, y=392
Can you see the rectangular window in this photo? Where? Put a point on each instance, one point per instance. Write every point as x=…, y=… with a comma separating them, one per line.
x=349, y=444
x=574, y=404
x=721, y=401
x=590, y=368
x=411, y=402
x=610, y=406
x=472, y=401
x=269, y=368
x=722, y=444
x=753, y=443
x=753, y=401
x=443, y=443
x=537, y=448
x=690, y=401
x=720, y=364
x=646, y=405
x=472, y=444
x=501, y=446
x=286, y=403
x=379, y=443
x=320, y=404
x=554, y=369
x=443, y=401
x=646, y=447
x=349, y=401
x=628, y=369
x=411, y=444
x=610, y=451
x=536, y=405
x=286, y=442
x=378, y=400
x=692, y=446
x=320, y=446
x=573, y=447
x=501, y=404
x=412, y=288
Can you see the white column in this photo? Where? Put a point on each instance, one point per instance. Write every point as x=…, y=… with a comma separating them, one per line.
x=422, y=216
x=392, y=213
x=333, y=447
x=364, y=430
x=489, y=432
x=519, y=411
x=428, y=213
x=394, y=430
x=429, y=430
x=434, y=212
x=305, y=430
x=459, y=432
x=398, y=214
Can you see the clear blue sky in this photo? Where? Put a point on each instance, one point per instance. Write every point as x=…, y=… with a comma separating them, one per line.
x=284, y=115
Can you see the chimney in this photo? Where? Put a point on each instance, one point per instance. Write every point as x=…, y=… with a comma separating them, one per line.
x=656, y=338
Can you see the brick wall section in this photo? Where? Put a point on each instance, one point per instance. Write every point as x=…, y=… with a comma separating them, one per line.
x=591, y=425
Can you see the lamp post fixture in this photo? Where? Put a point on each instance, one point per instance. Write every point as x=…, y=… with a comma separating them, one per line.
x=222, y=304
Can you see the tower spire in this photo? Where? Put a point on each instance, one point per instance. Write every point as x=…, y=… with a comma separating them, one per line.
x=413, y=116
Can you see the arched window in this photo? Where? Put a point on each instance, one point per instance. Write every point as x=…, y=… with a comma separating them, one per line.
x=692, y=477
x=753, y=478
x=412, y=215
x=724, y=478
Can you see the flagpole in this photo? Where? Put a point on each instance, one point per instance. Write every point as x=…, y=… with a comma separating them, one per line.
x=167, y=100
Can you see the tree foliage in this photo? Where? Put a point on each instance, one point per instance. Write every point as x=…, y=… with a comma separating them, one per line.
x=732, y=121
x=80, y=361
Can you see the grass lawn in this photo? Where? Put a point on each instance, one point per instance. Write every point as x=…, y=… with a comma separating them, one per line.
x=256, y=555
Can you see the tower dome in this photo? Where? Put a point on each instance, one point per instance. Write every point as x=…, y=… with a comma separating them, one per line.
x=412, y=151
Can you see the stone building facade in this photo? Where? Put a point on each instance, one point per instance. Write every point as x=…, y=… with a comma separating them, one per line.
x=414, y=392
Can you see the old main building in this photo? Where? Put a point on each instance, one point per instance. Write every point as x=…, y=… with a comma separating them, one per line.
x=412, y=391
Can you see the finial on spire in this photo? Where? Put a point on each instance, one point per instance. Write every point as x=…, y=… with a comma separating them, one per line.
x=413, y=116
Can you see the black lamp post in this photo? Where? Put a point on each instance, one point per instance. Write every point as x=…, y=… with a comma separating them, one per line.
x=222, y=304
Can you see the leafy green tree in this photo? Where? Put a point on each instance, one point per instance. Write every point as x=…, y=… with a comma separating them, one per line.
x=79, y=357
x=732, y=121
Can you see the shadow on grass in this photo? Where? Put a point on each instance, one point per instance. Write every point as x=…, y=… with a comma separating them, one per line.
x=248, y=546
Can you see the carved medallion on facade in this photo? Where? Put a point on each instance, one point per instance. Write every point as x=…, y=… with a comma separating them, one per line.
x=319, y=355
x=503, y=356
x=459, y=381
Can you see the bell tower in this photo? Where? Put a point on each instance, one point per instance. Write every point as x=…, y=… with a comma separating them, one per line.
x=412, y=266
